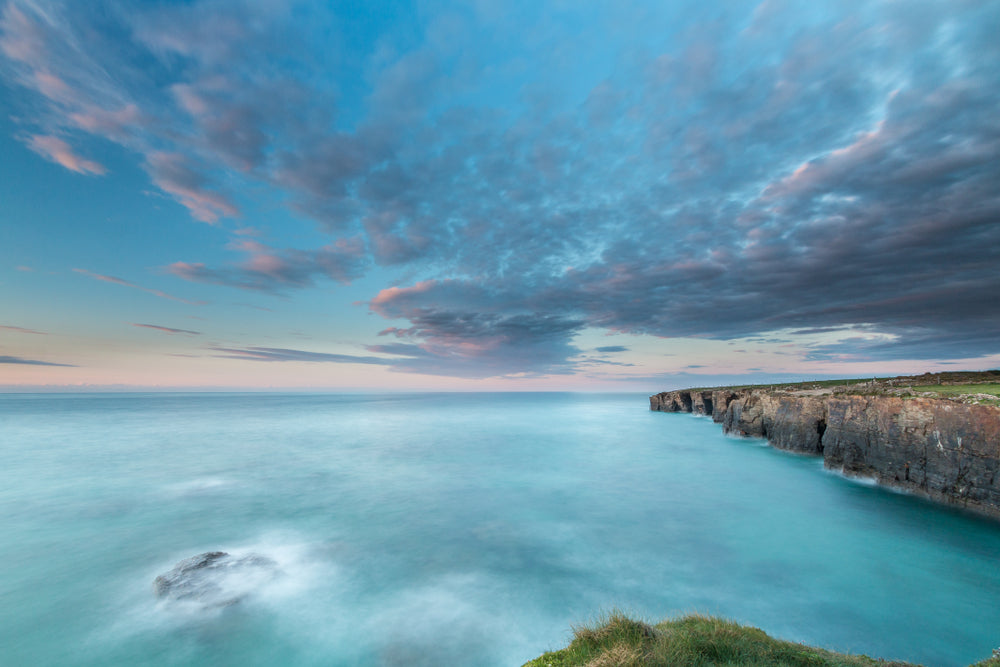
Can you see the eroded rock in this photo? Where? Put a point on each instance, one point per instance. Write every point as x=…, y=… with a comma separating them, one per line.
x=942, y=449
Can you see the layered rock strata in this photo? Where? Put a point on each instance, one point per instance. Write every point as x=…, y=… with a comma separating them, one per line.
x=944, y=450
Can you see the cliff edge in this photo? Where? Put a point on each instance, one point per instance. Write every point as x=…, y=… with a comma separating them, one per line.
x=944, y=445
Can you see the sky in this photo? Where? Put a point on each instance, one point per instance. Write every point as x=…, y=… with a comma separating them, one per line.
x=496, y=194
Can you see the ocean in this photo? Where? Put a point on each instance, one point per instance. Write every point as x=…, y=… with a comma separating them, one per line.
x=452, y=529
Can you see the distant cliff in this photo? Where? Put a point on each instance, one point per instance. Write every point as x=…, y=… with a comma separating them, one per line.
x=946, y=450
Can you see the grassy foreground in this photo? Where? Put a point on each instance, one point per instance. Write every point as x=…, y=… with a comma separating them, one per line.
x=619, y=641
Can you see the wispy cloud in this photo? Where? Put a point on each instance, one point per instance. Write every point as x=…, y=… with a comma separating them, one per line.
x=284, y=354
x=58, y=151
x=126, y=283
x=8, y=327
x=6, y=359
x=595, y=361
x=273, y=270
x=168, y=330
x=520, y=349
x=172, y=173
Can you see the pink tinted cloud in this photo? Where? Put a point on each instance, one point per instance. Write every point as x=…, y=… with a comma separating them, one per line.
x=22, y=38
x=268, y=265
x=172, y=174
x=113, y=124
x=391, y=295
x=53, y=87
x=58, y=151
x=273, y=269
x=820, y=172
x=190, y=100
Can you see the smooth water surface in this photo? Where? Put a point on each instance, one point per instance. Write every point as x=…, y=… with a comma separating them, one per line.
x=453, y=529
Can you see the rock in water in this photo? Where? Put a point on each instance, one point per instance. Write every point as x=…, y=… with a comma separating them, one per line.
x=215, y=578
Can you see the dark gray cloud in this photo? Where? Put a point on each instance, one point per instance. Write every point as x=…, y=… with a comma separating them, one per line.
x=463, y=329
x=804, y=194
x=894, y=228
x=612, y=348
x=483, y=344
x=457, y=345
x=7, y=359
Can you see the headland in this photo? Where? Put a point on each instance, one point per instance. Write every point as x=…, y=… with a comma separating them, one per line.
x=935, y=435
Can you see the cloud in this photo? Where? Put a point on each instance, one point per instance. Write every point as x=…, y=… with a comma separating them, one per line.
x=5, y=359
x=704, y=174
x=468, y=330
x=22, y=330
x=594, y=361
x=456, y=345
x=125, y=283
x=284, y=354
x=58, y=151
x=612, y=348
x=172, y=173
x=271, y=270
x=168, y=330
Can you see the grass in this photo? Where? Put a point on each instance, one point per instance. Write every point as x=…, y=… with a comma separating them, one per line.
x=949, y=384
x=957, y=389
x=808, y=384
x=695, y=641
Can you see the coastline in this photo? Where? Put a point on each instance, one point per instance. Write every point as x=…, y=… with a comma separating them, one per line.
x=944, y=449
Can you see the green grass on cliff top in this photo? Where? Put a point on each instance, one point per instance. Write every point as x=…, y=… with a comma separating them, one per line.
x=947, y=383
x=958, y=389
x=789, y=385
x=619, y=641
x=809, y=384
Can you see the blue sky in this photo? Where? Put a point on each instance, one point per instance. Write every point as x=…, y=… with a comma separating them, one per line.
x=495, y=195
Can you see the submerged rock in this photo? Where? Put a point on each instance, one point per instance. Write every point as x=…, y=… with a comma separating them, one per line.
x=215, y=578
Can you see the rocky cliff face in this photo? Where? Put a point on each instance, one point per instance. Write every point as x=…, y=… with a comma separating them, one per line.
x=945, y=450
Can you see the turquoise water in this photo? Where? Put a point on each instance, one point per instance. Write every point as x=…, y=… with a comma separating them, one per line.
x=453, y=529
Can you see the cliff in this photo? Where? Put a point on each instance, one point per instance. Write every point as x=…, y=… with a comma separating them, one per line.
x=946, y=450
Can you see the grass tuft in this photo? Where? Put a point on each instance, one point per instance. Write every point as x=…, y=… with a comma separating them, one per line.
x=695, y=641
x=615, y=629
